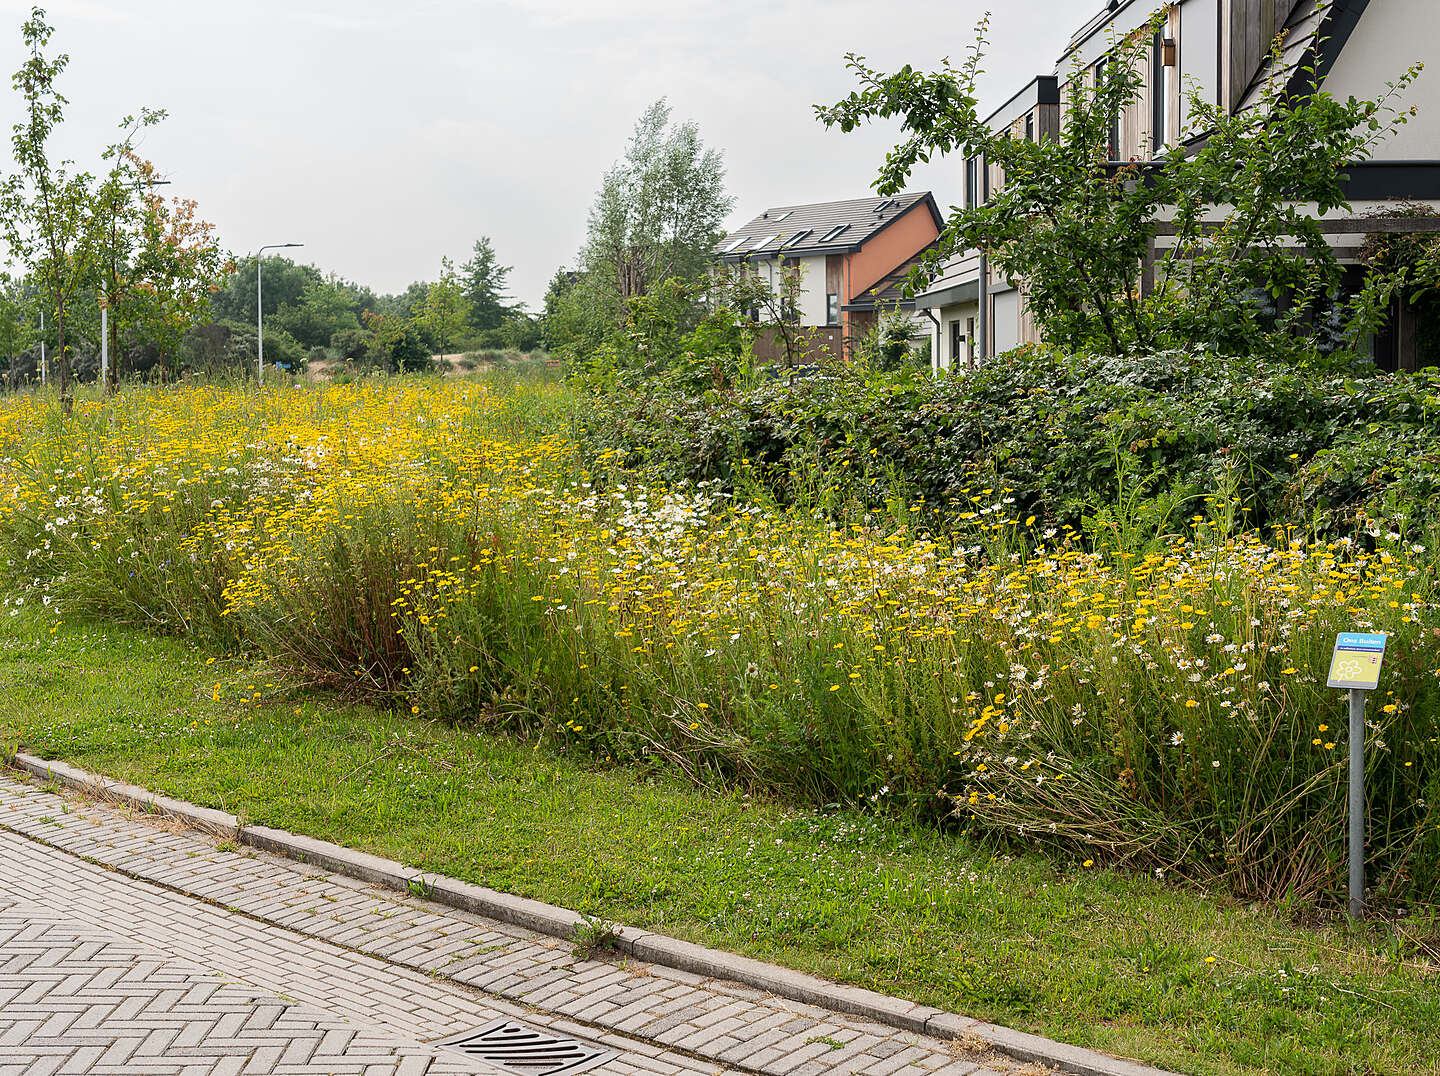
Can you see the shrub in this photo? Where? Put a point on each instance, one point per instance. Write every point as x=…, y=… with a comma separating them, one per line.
x=355, y=345
x=1066, y=436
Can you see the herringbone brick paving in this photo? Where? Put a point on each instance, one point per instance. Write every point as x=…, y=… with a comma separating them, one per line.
x=76, y=999
x=374, y=955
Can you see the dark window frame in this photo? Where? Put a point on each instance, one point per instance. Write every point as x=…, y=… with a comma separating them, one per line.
x=1159, y=97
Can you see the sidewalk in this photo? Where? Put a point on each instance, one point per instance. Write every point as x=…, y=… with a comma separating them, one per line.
x=122, y=932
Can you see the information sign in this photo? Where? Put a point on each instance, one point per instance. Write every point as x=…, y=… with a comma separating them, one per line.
x=1356, y=661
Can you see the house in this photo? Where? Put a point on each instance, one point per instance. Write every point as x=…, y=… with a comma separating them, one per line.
x=849, y=256
x=1221, y=50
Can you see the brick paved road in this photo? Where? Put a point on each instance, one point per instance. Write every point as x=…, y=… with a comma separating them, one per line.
x=117, y=934
x=78, y=999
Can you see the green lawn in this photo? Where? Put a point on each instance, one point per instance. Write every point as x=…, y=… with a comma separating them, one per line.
x=1186, y=980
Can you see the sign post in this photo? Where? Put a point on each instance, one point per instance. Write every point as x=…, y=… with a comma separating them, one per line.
x=1355, y=666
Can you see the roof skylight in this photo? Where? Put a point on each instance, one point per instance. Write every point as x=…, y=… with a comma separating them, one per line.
x=834, y=233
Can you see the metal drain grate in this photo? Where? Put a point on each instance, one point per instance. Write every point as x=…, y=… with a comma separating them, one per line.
x=520, y=1049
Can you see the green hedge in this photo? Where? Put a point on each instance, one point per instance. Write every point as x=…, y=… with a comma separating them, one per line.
x=1073, y=437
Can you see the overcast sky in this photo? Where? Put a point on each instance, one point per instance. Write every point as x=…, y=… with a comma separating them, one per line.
x=384, y=135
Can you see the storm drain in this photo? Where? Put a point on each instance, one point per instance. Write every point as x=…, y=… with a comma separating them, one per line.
x=520, y=1049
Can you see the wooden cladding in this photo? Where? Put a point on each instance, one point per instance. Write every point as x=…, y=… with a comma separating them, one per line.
x=1253, y=26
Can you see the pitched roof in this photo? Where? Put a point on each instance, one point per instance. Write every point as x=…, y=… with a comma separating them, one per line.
x=821, y=228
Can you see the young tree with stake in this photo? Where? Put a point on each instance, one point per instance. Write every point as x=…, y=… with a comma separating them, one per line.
x=45, y=207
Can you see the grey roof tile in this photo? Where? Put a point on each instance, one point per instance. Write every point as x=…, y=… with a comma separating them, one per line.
x=822, y=227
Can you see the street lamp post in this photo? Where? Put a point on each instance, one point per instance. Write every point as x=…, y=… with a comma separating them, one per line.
x=260, y=306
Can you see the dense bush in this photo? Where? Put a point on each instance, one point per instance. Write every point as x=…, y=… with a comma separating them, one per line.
x=1134, y=443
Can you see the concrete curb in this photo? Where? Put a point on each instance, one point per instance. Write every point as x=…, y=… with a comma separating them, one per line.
x=560, y=922
x=203, y=818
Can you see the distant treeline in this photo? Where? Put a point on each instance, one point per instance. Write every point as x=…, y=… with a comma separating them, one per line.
x=310, y=317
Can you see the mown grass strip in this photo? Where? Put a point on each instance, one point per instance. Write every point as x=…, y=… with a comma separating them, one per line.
x=1125, y=964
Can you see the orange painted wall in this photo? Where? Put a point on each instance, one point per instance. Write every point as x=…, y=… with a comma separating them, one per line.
x=907, y=235
x=895, y=245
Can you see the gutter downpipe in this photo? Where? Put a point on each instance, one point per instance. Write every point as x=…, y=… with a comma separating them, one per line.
x=935, y=351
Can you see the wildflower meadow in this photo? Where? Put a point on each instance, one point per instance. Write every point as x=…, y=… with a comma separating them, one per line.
x=441, y=546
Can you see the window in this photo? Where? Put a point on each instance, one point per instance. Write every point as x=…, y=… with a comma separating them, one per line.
x=972, y=182
x=832, y=309
x=762, y=244
x=1160, y=95
x=957, y=342
x=1030, y=127
x=886, y=204
x=734, y=246
x=834, y=233
x=970, y=343
x=796, y=239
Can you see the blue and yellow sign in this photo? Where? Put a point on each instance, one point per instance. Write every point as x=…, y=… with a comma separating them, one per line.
x=1356, y=661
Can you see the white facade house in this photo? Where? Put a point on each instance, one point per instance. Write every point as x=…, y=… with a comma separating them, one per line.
x=1220, y=49
x=848, y=256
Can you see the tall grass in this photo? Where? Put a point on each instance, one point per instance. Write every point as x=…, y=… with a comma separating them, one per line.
x=437, y=545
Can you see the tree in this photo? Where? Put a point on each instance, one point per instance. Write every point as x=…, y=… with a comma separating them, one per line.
x=484, y=281
x=285, y=285
x=325, y=308
x=397, y=342
x=1078, y=229
x=178, y=267
x=446, y=311
x=119, y=230
x=765, y=308
x=47, y=206
x=657, y=214
x=17, y=326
